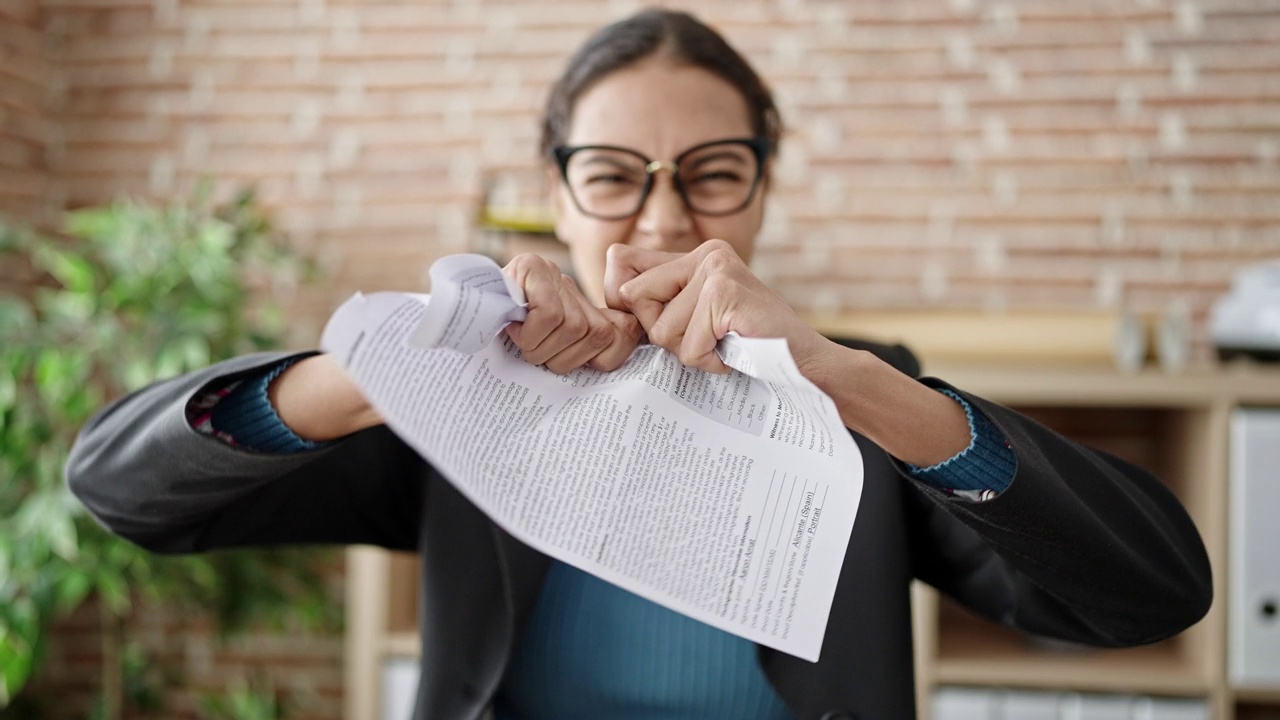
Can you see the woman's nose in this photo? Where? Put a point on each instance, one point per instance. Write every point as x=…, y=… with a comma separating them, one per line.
x=664, y=222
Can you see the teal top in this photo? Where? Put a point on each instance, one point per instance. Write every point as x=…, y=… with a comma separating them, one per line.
x=592, y=650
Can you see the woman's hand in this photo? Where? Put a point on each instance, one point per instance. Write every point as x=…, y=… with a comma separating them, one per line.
x=563, y=331
x=688, y=302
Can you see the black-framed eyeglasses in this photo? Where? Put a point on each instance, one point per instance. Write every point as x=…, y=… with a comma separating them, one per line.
x=715, y=178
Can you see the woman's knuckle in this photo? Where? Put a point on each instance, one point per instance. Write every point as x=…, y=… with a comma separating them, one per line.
x=718, y=260
x=600, y=334
x=575, y=326
x=718, y=286
x=616, y=361
x=662, y=336
x=629, y=292
x=716, y=246
x=631, y=326
x=616, y=253
x=553, y=314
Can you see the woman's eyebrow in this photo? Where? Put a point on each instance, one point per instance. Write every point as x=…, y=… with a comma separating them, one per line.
x=601, y=159
x=722, y=154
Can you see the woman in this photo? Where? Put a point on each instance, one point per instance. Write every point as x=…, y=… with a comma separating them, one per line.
x=659, y=139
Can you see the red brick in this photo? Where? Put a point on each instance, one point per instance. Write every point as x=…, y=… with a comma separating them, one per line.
x=25, y=12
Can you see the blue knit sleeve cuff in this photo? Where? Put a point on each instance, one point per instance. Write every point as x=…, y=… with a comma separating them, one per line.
x=247, y=417
x=983, y=469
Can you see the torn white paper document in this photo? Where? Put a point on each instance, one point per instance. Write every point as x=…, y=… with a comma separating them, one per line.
x=729, y=498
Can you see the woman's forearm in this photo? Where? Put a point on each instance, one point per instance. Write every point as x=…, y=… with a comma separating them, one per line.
x=912, y=422
x=318, y=401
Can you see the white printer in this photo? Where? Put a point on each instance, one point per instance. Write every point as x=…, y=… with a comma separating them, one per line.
x=1246, y=321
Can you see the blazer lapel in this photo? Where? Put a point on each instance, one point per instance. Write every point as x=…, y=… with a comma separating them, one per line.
x=478, y=586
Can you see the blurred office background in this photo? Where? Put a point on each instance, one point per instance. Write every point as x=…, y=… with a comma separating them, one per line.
x=986, y=155
x=948, y=153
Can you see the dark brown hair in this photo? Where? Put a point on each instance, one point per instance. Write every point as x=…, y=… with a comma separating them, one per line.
x=681, y=37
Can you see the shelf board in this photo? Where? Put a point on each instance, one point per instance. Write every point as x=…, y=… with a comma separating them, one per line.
x=532, y=220
x=1132, y=670
x=402, y=644
x=1260, y=696
x=1091, y=386
x=1001, y=660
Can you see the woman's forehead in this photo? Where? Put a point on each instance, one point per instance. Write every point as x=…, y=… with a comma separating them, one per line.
x=659, y=109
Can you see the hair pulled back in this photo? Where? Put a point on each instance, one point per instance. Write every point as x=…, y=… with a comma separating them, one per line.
x=677, y=35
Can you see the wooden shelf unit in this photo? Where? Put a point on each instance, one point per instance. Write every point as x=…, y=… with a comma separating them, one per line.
x=988, y=659
x=1175, y=425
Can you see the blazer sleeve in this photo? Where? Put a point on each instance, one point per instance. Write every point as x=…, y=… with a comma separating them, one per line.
x=1081, y=546
x=144, y=473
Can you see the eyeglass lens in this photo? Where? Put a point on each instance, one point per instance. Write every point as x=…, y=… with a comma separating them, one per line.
x=716, y=179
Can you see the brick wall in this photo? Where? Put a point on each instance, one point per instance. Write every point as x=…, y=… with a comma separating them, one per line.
x=186, y=661
x=959, y=153
x=23, y=180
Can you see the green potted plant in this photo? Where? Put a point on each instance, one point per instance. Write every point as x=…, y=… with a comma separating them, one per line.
x=126, y=294
x=257, y=699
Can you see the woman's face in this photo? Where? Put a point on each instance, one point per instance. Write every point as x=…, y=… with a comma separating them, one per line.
x=658, y=109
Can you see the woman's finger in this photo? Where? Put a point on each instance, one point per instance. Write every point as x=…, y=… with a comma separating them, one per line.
x=624, y=263
x=703, y=331
x=666, y=329
x=626, y=336
x=572, y=328
x=599, y=335
x=540, y=280
x=647, y=294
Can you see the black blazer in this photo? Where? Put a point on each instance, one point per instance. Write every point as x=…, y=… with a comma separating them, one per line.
x=1082, y=546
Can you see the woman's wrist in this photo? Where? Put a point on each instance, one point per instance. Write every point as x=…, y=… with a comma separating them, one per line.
x=912, y=422
x=318, y=401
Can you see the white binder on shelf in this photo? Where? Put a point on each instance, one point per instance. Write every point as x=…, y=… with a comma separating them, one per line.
x=1090, y=706
x=1254, y=584
x=1025, y=705
x=1146, y=708
x=399, y=688
x=961, y=703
